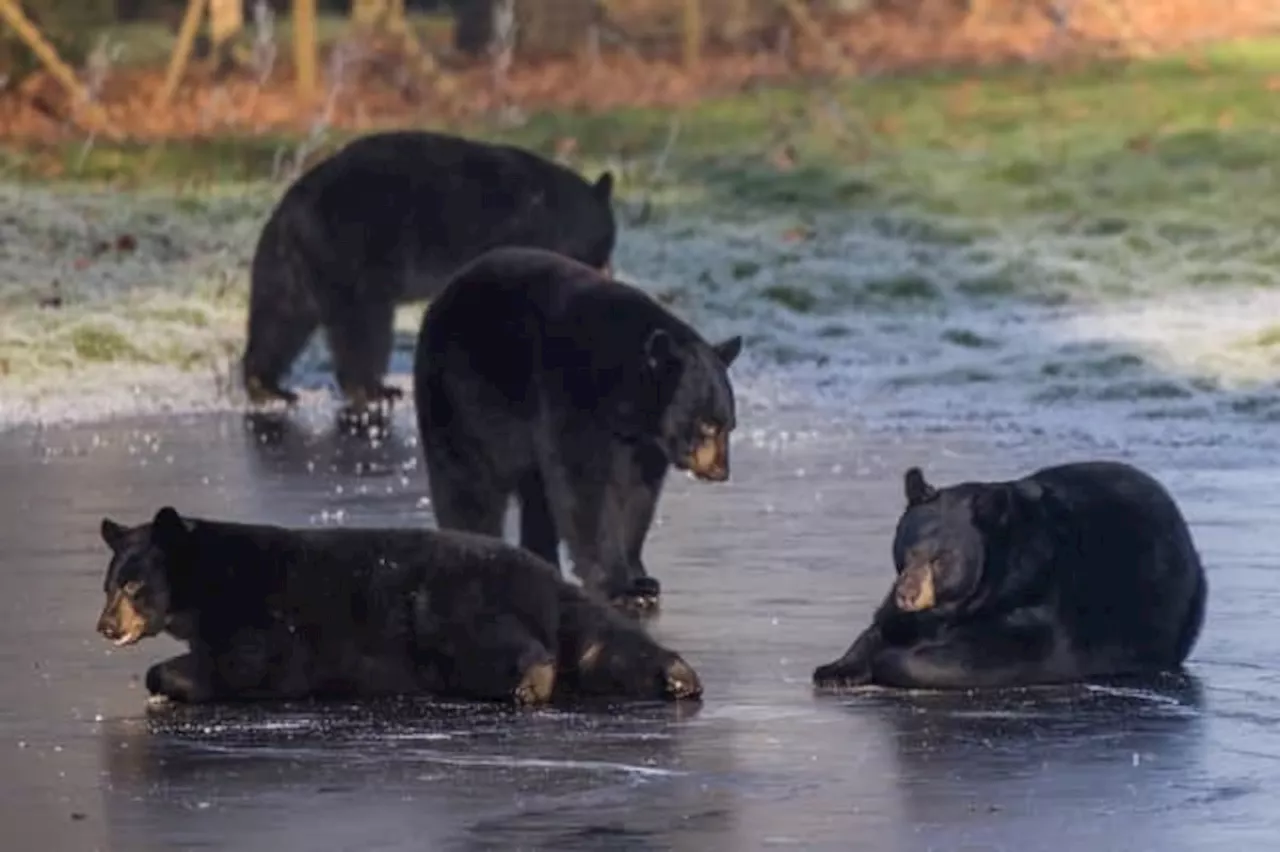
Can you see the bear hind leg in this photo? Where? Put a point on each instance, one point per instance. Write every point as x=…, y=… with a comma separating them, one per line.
x=538, y=533
x=466, y=500
x=360, y=338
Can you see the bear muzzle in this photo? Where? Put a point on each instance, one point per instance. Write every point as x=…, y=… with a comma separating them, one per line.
x=120, y=621
x=709, y=458
x=914, y=590
x=682, y=681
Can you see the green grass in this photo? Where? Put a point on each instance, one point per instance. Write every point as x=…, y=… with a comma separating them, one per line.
x=1113, y=144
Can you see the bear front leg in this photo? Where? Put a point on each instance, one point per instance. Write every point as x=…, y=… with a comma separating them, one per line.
x=853, y=668
x=981, y=656
x=182, y=679
x=604, y=502
x=638, y=487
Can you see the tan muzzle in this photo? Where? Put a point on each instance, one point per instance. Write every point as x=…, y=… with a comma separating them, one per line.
x=120, y=621
x=913, y=591
x=709, y=459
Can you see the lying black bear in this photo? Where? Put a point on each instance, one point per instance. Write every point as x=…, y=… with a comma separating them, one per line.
x=274, y=613
x=539, y=377
x=1079, y=571
x=387, y=220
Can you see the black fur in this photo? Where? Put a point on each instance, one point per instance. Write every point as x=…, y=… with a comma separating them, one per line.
x=540, y=378
x=1075, y=572
x=387, y=220
x=275, y=613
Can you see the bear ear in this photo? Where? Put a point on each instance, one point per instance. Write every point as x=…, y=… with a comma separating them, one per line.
x=603, y=187
x=659, y=349
x=168, y=531
x=112, y=533
x=916, y=488
x=728, y=350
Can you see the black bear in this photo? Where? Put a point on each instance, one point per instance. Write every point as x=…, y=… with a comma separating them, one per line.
x=1078, y=571
x=386, y=220
x=271, y=613
x=539, y=377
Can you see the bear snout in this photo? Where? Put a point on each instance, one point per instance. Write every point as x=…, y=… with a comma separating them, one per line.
x=915, y=591
x=709, y=458
x=108, y=627
x=682, y=681
x=120, y=621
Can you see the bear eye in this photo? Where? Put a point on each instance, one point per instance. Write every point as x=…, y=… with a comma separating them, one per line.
x=132, y=588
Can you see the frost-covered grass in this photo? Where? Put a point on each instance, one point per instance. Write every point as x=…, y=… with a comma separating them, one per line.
x=1013, y=246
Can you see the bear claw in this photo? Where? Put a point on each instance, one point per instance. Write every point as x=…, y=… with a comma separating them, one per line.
x=635, y=604
x=536, y=686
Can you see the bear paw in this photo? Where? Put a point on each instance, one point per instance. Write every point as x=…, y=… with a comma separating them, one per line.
x=838, y=675
x=681, y=681
x=640, y=599
x=536, y=685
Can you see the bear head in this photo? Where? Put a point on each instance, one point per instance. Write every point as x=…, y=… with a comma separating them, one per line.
x=950, y=545
x=697, y=405
x=139, y=583
x=621, y=660
x=590, y=232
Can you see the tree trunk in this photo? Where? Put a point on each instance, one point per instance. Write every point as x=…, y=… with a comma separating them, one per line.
x=70, y=26
x=472, y=26
x=553, y=27
x=543, y=27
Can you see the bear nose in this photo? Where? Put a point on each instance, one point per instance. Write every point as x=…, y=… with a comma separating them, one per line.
x=108, y=627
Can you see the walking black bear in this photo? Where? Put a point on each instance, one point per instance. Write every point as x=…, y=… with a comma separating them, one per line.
x=386, y=221
x=540, y=378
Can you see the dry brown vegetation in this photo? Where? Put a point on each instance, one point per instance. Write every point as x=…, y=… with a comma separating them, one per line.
x=366, y=87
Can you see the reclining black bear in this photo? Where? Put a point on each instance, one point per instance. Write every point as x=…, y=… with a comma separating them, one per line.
x=271, y=613
x=1078, y=571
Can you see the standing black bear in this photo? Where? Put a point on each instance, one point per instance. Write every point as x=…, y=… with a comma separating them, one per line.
x=387, y=220
x=274, y=613
x=1078, y=571
x=539, y=377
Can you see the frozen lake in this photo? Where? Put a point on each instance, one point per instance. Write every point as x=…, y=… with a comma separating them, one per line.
x=764, y=577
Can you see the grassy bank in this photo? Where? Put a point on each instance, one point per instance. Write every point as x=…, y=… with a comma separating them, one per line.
x=1193, y=133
